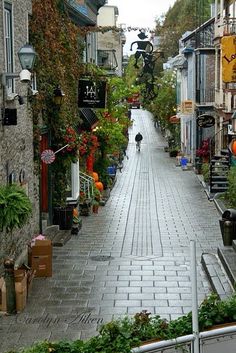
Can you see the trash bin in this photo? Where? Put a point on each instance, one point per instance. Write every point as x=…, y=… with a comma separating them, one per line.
x=228, y=226
x=184, y=163
x=229, y=214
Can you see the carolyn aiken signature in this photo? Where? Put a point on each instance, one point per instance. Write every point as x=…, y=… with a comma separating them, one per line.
x=47, y=320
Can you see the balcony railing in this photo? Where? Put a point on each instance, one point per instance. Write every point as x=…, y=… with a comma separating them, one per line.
x=230, y=26
x=205, y=96
x=107, y=60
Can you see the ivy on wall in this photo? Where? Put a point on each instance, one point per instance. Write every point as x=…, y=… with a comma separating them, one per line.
x=59, y=45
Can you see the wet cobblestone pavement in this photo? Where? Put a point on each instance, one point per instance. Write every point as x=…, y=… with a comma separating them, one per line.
x=131, y=256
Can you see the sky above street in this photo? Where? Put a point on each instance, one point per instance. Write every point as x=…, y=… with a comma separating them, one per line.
x=140, y=14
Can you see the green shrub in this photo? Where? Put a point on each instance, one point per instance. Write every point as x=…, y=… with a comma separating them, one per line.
x=230, y=194
x=15, y=207
x=120, y=336
x=205, y=169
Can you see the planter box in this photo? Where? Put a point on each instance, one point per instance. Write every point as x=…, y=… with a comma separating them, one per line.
x=63, y=216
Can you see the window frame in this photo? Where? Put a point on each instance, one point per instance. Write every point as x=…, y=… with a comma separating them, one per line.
x=8, y=44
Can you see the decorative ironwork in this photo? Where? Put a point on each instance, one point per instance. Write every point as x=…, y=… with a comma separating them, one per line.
x=144, y=47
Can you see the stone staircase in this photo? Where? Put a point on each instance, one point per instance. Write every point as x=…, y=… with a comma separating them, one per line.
x=227, y=256
x=219, y=167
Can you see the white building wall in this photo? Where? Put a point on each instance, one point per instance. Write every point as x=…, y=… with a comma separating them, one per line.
x=110, y=40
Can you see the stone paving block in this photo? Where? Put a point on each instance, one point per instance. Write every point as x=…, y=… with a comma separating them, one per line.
x=117, y=283
x=178, y=290
x=154, y=289
x=160, y=310
x=113, y=310
x=128, y=290
x=142, y=296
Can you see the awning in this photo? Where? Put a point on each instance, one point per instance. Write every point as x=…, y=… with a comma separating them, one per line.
x=174, y=119
x=89, y=118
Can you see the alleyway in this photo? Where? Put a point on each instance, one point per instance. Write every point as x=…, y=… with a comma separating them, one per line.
x=132, y=255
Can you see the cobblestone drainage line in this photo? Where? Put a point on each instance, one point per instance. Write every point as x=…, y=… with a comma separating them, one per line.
x=101, y=258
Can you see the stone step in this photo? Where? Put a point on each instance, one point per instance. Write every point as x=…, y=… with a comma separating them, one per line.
x=227, y=256
x=57, y=236
x=51, y=231
x=234, y=245
x=61, y=238
x=216, y=275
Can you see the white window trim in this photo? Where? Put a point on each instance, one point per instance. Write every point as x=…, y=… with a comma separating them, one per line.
x=8, y=7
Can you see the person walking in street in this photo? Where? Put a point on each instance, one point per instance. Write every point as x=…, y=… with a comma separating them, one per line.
x=138, y=139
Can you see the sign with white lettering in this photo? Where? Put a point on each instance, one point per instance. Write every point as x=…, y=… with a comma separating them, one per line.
x=92, y=94
x=205, y=120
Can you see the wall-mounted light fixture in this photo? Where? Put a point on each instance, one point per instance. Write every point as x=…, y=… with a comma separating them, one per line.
x=58, y=96
x=27, y=57
x=12, y=96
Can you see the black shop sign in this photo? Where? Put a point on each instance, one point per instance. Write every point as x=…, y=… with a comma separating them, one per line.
x=205, y=121
x=92, y=94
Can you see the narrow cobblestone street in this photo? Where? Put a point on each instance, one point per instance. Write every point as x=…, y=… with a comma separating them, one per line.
x=133, y=255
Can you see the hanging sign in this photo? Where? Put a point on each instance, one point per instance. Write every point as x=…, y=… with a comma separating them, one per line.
x=228, y=50
x=205, y=121
x=187, y=107
x=92, y=94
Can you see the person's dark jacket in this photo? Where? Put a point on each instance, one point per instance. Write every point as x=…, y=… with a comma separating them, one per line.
x=138, y=137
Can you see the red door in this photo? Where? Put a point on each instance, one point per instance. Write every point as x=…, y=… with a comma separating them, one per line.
x=44, y=175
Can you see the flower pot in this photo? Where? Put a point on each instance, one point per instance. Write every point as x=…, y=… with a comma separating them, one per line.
x=95, y=208
x=63, y=216
x=85, y=209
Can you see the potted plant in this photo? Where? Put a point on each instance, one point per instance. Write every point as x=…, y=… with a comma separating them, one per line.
x=15, y=210
x=95, y=205
x=96, y=199
x=204, y=151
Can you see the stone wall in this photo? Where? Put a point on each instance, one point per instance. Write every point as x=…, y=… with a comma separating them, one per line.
x=16, y=142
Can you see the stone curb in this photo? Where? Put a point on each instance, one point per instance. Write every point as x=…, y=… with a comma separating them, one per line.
x=212, y=263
